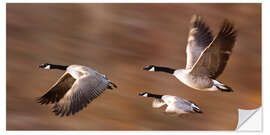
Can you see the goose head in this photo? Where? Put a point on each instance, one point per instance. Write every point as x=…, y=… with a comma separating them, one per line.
x=45, y=66
x=144, y=94
x=149, y=68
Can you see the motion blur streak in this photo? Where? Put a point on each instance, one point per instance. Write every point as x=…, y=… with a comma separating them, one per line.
x=119, y=40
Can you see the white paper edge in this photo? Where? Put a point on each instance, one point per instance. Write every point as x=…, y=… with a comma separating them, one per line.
x=249, y=120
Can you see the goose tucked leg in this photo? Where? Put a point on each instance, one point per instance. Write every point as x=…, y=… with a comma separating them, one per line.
x=111, y=85
x=222, y=87
x=196, y=108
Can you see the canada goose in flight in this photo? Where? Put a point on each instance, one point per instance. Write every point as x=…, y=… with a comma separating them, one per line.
x=174, y=104
x=206, y=56
x=76, y=88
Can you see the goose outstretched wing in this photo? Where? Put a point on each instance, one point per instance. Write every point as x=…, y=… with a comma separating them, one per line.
x=199, y=38
x=84, y=90
x=213, y=59
x=58, y=90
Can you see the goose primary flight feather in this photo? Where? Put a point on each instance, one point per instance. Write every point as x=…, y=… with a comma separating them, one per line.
x=207, y=56
x=174, y=104
x=75, y=89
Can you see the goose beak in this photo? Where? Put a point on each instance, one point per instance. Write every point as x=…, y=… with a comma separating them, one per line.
x=42, y=66
x=145, y=68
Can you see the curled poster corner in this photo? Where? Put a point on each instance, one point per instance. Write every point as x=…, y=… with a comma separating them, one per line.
x=249, y=120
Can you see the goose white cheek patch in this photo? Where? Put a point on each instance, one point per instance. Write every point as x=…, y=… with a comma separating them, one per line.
x=48, y=67
x=152, y=69
x=145, y=95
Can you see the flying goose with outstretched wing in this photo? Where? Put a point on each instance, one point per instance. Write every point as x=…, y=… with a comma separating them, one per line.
x=207, y=56
x=75, y=89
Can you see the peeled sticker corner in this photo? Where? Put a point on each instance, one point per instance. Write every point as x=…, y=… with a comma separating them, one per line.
x=249, y=120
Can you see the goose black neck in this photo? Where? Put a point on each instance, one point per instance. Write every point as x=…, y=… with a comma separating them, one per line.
x=164, y=69
x=60, y=67
x=154, y=95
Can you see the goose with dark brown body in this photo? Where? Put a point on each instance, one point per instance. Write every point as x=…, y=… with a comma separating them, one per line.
x=206, y=56
x=76, y=88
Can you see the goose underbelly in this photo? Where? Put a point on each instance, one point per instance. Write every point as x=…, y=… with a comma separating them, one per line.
x=196, y=82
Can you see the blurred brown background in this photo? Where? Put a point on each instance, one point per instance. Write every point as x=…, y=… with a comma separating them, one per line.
x=119, y=40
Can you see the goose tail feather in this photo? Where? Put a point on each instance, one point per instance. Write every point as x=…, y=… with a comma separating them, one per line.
x=196, y=108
